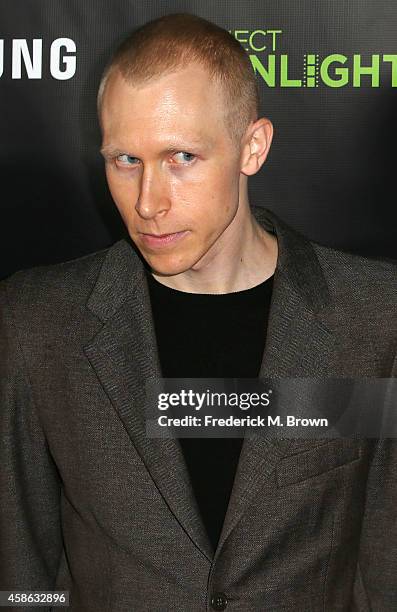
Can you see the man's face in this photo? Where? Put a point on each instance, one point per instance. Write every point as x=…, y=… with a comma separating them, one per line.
x=171, y=167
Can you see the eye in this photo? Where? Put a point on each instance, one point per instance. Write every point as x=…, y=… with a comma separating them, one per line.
x=126, y=160
x=183, y=157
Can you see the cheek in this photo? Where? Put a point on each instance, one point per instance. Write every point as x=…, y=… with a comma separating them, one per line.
x=206, y=193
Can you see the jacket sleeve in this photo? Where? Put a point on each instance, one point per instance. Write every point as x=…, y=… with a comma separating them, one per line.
x=375, y=587
x=376, y=577
x=30, y=529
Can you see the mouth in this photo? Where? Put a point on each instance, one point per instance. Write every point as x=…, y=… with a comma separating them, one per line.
x=160, y=240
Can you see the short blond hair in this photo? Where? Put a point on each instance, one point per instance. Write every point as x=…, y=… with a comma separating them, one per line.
x=172, y=42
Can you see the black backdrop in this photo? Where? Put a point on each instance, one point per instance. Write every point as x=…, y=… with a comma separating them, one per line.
x=331, y=170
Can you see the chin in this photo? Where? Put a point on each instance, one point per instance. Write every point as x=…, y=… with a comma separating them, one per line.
x=168, y=266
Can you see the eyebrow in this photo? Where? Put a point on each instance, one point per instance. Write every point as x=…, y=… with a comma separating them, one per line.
x=109, y=151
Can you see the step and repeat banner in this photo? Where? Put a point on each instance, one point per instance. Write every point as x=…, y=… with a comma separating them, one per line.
x=328, y=80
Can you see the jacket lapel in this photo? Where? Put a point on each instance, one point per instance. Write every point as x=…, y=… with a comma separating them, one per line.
x=300, y=338
x=299, y=343
x=124, y=355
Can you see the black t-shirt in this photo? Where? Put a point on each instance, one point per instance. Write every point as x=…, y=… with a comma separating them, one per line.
x=210, y=336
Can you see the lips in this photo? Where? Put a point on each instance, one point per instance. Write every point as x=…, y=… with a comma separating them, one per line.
x=160, y=235
x=160, y=240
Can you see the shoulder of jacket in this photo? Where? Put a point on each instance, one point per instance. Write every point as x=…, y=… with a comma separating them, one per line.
x=372, y=266
x=357, y=277
x=68, y=281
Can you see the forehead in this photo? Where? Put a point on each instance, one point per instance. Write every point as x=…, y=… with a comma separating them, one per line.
x=183, y=103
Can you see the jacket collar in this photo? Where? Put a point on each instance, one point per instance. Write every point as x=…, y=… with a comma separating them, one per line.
x=123, y=269
x=124, y=355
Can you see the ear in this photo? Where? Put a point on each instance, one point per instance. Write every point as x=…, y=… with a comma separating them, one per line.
x=257, y=141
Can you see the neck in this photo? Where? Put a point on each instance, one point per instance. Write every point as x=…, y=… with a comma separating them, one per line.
x=243, y=256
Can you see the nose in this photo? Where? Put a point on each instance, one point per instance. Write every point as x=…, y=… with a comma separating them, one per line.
x=153, y=198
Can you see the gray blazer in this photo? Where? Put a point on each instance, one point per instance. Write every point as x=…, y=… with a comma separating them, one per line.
x=90, y=504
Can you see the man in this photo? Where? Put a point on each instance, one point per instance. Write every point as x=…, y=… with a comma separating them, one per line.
x=208, y=286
